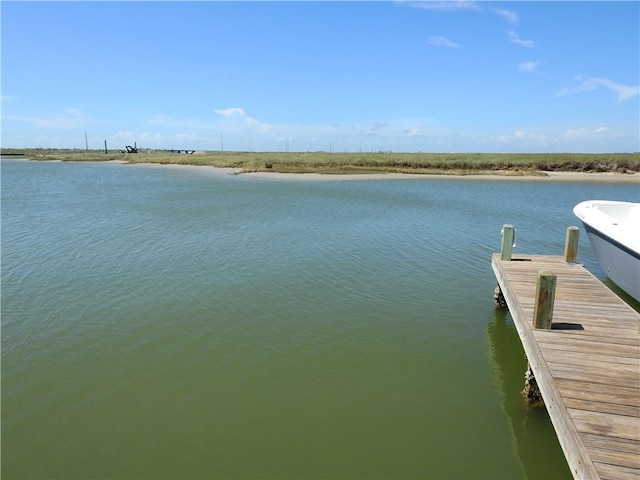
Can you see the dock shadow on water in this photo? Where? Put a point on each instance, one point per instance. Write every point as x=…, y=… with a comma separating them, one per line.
x=533, y=433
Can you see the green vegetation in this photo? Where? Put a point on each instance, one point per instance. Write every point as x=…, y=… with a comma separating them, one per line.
x=341, y=163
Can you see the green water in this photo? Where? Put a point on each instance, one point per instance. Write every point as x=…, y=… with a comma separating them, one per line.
x=176, y=323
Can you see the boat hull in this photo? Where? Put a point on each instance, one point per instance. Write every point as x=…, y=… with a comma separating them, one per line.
x=613, y=233
x=621, y=265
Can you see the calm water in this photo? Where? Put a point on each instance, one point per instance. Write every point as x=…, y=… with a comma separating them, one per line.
x=165, y=323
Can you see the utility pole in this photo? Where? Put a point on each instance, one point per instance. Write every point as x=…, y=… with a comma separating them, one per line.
x=86, y=141
x=221, y=144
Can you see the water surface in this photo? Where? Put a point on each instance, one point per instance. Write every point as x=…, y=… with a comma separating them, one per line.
x=165, y=323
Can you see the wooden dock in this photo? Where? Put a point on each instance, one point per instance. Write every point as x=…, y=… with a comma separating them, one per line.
x=587, y=366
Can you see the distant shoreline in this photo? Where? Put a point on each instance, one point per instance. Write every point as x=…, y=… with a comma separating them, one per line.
x=593, y=177
x=558, y=167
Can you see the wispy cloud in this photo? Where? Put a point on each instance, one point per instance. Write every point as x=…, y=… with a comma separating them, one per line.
x=442, y=42
x=452, y=6
x=530, y=66
x=446, y=5
x=509, y=15
x=582, y=132
x=520, y=135
x=515, y=38
x=235, y=114
x=228, y=112
x=72, y=118
x=588, y=83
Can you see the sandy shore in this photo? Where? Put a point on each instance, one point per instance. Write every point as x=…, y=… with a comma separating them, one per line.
x=600, y=177
x=597, y=177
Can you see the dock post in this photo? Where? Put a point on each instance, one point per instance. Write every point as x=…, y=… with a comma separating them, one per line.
x=508, y=241
x=545, y=297
x=571, y=245
x=542, y=318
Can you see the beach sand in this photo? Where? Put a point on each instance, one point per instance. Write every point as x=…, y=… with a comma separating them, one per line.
x=595, y=177
x=599, y=177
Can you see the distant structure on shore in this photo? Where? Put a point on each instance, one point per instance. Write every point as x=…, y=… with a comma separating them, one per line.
x=187, y=152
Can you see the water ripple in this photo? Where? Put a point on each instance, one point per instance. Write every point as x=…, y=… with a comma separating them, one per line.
x=153, y=310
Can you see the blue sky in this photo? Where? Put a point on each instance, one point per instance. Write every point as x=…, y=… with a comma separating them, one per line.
x=335, y=76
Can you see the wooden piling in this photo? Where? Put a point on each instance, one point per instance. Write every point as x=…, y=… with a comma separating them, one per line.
x=545, y=296
x=508, y=237
x=531, y=391
x=498, y=298
x=571, y=245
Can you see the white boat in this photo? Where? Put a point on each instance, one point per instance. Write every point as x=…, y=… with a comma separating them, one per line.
x=614, y=232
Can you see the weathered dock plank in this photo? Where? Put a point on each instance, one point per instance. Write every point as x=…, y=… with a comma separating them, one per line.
x=587, y=365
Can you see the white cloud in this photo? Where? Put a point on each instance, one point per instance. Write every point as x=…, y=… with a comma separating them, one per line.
x=228, y=112
x=450, y=5
x=413, y=132
x=446, y=5
x=591, y=83
x=515, y=38
x=578, y=133
x=520, y=135
x=529, y=67
x=238, y=115
x=442, y=42
x=590, y=139
x=583, y=87
x=399, y=134
x=507, y=14
x=377, y=126
x=242, y=131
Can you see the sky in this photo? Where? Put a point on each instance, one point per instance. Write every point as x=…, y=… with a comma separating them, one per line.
x=401, y=76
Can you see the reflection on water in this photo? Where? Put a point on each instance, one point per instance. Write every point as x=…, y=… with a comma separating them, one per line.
x=162, y=323
x=540, y=459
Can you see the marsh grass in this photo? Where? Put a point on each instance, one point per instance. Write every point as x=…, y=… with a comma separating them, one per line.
x=343, y=163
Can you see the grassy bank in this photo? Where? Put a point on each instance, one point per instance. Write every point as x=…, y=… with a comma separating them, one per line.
x=340, y=163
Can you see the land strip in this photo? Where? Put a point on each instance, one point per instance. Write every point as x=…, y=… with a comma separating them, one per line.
x=502, y=164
